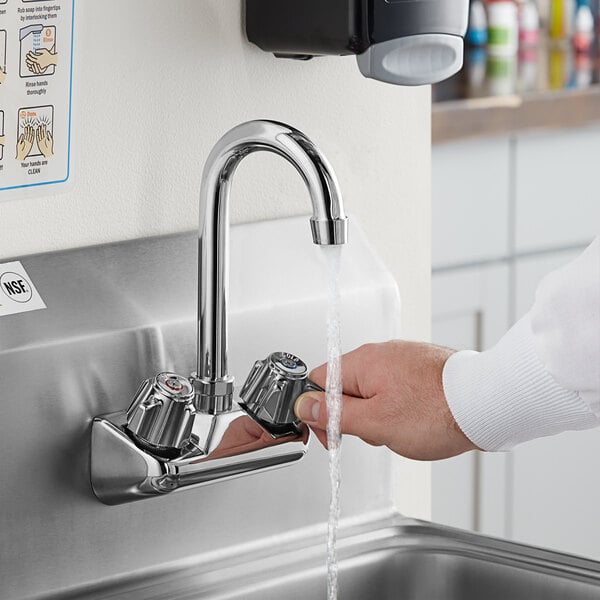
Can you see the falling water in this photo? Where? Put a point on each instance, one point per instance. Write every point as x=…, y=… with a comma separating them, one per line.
x=334, y=411
x=37, y=36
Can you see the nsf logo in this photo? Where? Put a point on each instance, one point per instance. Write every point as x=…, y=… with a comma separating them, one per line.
x=16, y=287
x=17, y=291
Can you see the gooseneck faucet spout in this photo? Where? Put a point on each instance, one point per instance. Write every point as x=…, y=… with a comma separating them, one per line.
x=212, y=383
x=181, y=432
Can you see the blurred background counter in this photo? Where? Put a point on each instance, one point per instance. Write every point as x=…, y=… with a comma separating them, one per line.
x=516, y=194
x=549, y=85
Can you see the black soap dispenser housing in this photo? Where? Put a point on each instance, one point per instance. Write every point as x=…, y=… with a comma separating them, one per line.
x=406, y=42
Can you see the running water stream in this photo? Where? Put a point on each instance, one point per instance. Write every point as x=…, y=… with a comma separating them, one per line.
x=334, y=412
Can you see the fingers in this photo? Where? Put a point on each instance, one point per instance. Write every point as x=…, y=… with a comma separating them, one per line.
x=359, y=416
x=308, y=409
x=31, y=60
x=355, y=364
x=25, y=142
x=33, y=65
x=20, y=146
x=38, y=62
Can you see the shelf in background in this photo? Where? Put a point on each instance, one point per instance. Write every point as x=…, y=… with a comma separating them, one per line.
x=542, y=88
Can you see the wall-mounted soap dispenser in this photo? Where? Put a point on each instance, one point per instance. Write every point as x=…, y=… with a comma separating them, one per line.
x=406, y=42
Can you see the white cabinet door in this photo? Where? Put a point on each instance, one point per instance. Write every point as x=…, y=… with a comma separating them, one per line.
x=506, y=200
x=557, y=189
x=470, y=311
x=556, y=480
x=470, y=197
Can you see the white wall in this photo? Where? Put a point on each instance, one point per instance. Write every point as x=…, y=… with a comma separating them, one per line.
x=156, y=84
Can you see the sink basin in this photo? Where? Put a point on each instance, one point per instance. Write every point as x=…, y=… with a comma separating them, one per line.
x=418, y=561
x=400, y=559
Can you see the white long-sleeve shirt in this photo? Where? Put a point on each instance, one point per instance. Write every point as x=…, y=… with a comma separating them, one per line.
x=543, y=376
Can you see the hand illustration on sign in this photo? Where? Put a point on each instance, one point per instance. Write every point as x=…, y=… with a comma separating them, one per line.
x=36, y=89
x=35, y=135
x=45, y=140
x=38, y=61
x=25, y=142
x=38, y=56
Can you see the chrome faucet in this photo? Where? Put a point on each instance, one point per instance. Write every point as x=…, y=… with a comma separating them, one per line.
x=214, y=387
x=179, y=431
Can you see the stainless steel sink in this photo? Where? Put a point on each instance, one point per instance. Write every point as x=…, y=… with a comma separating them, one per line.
x=401, y=560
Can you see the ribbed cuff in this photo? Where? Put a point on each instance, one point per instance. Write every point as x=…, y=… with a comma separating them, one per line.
x=505, y=396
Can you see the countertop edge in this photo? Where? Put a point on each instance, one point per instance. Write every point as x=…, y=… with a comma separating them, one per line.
x=504, y=115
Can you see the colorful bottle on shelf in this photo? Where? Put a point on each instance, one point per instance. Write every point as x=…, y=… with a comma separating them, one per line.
x=503, y=27
x=477, y=34
x=583, y=34
x=529, y=23
x=562, y=15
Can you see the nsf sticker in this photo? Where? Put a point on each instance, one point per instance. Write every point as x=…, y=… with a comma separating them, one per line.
x=17, y=292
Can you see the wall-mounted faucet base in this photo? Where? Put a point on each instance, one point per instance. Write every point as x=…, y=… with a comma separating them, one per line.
x=123, y=472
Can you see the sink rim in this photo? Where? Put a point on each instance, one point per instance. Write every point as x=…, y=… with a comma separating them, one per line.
x=295, y=554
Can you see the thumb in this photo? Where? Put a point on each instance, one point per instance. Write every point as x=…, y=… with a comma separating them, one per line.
x=357, y=418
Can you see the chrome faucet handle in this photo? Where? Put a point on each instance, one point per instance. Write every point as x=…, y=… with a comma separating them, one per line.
x=270, y=390
x=161, y=416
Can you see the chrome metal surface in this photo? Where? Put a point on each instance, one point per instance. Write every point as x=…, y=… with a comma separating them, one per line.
x=110, y=324
x=219, y=447
x=179, y=433
x=162, y=443
x=161, y=416
x=393, y=559
x=328, y=225
x=270, y=390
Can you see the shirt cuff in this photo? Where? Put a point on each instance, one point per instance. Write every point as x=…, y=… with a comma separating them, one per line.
x=505, y=396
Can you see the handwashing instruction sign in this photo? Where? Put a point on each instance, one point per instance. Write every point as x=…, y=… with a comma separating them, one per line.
x=36, y=56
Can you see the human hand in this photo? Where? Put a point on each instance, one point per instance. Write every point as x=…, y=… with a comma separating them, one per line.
x=45, y=140
x=1, y=140
x=2, y=76
x=25, y=142
x=394, y=397
x=39, y=61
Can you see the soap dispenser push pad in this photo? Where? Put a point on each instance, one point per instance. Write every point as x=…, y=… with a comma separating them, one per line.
x=404, y=42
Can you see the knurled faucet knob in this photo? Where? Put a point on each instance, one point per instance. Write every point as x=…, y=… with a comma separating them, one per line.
x=162, y=413
x=271, y=389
